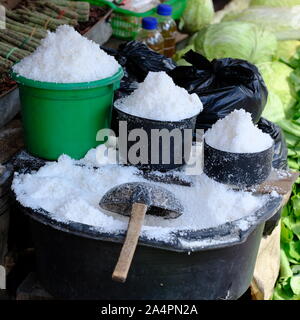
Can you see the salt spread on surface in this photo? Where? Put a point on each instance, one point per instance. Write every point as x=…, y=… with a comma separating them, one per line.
x=72, y=192
x=237, y=133
x=158, y=98
x=65, y=56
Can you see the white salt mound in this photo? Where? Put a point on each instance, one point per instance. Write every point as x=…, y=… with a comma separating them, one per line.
x=236, y=133
x=158, y=98
x=72, y=193
x=65, y=56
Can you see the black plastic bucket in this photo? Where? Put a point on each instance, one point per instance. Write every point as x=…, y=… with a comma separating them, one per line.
x=238, y=169
x=75, y=261
x=176, y=150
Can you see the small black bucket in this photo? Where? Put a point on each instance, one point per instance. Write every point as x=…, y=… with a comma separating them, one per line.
x=238, y=169
x=168, y=157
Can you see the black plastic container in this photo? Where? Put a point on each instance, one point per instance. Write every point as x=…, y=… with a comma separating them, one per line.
x=75, y=261
x=177, y=150
x=237, y=169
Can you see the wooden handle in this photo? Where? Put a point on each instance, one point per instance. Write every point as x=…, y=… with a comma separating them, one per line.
x=132, y=236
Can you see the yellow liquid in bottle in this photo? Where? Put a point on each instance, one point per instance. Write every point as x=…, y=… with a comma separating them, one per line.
x=168, y=30
x=152, y=39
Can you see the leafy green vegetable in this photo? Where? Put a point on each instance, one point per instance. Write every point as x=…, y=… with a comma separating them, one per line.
x=295, y=284
x=274, y=110
x=236, y=40
x=287, y=49
x=285, y=269
x=284, y=21
x=275, y=3
x=283, y=290
x=277, y=78
x=197, y=14
x=296, y=269
x=296, y=204
x=286, y=234
x=288, y=287
x=234, y=6
x=180, y=53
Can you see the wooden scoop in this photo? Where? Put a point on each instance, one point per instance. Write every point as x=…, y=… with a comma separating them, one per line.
x=135, y=200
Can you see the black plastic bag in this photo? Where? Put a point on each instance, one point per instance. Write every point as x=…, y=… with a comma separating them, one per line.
x=279, y=162
x=280, y=149
x=223, y=85
x=137, y=60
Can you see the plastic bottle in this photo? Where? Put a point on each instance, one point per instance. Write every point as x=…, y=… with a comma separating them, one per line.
x=168, y=28
x=150, y=35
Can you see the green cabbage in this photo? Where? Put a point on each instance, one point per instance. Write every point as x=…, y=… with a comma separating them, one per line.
x=273, y=110
x=179, y=54
x=238, y=40
x=284, y=22
x=287, y=49
x=275, y=3
x=198, y=14
x=277, y=78
x=234, y=6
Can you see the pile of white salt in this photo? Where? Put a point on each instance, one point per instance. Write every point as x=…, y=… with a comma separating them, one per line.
x=158, y=98
x=65, y=56
x=72, y=192
x=236, y=133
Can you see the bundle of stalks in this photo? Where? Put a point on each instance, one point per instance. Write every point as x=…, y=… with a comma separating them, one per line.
x=82, y=8
x=53, y=17
x=35, y=32
x=54, y=14
x=34, y=42
x=42, y=20
x=12, y=53
x=19, y=40
x=66, y=13
x=5, y=63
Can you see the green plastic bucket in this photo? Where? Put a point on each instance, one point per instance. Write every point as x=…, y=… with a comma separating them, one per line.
x=64, y=118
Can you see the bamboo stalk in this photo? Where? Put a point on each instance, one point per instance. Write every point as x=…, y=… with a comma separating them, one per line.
x=34, y=42
x=5, y=63
x=12, y=57
x=21, y=42
x=43, y=20
x=13, y=15
x=82, y=8
x=52, y=14
x=47, y=24
x=24, y=28
x=66, y=12
x=2, y=71
x=73, y=4
x=17, y=51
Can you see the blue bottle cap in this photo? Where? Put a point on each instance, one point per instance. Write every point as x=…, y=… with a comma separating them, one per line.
x=149, y=23
x=164, y=10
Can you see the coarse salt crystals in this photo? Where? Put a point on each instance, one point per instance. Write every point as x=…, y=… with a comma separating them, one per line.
x=158, y=98
x=236, y=133
x=65, y=56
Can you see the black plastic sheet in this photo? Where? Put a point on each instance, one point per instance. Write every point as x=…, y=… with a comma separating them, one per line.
x=223, y=85
x=137, y=60
x=280, y=149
